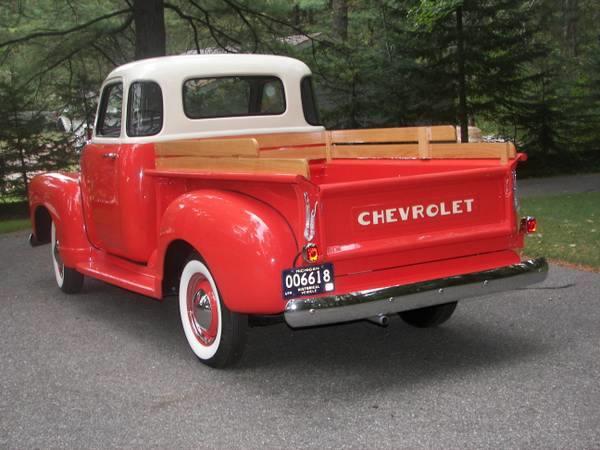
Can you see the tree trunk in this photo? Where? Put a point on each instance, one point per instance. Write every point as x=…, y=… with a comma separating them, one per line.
x=296, y=15
x=571, y=17
x=463, y=117
x=340, y=18
x=353, y=104
x=149, y=19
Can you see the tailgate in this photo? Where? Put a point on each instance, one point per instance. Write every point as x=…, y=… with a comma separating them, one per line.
x=391, y=222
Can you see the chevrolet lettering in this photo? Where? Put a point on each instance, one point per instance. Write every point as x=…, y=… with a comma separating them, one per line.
x=245, y=210
x=414, y=212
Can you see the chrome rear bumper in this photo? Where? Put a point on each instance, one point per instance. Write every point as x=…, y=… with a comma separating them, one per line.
x=307, y=312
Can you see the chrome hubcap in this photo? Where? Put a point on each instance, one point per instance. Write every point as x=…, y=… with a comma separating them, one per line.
x=202, y=309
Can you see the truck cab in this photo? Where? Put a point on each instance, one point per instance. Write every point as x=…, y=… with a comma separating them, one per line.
x=210, y=178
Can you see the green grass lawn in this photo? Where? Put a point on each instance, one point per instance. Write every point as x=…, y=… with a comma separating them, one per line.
x=568, y=228
x=6, y=226
x=14, y=215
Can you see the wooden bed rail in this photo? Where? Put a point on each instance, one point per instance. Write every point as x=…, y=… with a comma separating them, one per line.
x=502, y=151
x=239, y=155
x=382, y=143
x=289, y=153
x=440, y=133
x=414, y=143
x=247, y=147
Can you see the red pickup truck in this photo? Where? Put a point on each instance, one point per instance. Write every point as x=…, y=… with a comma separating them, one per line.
x=209, y=178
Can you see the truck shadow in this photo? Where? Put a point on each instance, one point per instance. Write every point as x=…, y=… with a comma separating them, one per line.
x=356, y=356
x=363, y=355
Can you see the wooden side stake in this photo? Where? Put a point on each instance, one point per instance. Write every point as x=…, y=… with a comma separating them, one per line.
x=328, y=145
x=424, y=142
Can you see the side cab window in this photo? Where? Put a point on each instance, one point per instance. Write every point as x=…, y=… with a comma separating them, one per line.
x=144, y=109
x=309, y=103
x=109, y=114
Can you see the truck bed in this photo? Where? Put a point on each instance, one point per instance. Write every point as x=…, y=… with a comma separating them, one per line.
x=386, y=200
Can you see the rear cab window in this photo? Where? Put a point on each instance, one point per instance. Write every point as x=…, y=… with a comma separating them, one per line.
x=234, y=96
x=110, y=111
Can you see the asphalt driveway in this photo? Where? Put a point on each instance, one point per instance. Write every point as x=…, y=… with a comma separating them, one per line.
x=109, y=368
x=562, y=184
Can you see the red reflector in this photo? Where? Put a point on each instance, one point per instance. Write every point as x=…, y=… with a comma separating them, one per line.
x=313, y=254
x=310, y=253
x=529, y=224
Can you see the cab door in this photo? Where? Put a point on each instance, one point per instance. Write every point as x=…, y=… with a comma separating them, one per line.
x=100, y=172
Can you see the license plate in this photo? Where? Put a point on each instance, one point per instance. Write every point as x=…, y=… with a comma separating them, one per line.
x=311, y=280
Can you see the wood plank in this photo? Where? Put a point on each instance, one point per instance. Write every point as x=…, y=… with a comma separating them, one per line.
x=318, y=152
x=376, y=151
x=503, y=151
x=236, y=165
x=471, y=150
x=205, y=175
x=247, y=147
x=276, y=140
x=512, y=150
x=441, y=133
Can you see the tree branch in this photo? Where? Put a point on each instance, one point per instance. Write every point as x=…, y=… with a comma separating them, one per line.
x=104, y=54
x=238, y=7
x=63, y=32
x=189, y=19
x=77, y=50
x=250, y=27
x=213, y=29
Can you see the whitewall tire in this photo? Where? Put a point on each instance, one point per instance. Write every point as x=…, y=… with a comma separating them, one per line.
x=68, y=280
x=215, y=334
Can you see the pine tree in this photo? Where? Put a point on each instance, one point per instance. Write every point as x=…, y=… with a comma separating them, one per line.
x=471, y=55
x=360, y=75
x=586, y=111
x=29, y=141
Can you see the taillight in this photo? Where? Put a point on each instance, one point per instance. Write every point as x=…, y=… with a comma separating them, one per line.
x=528, y=224
x=310, y=253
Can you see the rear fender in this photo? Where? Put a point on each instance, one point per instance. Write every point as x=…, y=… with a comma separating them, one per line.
x=60, y=196
x=245, y=243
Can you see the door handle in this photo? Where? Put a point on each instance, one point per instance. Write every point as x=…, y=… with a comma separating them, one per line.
x=110, y=155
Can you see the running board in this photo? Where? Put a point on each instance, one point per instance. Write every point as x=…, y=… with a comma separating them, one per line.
x=130, y=279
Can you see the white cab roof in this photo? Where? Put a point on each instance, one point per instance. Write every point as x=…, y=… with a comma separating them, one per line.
x=170, y=72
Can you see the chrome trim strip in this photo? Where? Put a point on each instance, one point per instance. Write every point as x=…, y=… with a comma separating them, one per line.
x=309, y=218
x=306, y=312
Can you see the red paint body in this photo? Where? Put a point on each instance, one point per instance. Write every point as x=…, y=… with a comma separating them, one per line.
x=117, y=219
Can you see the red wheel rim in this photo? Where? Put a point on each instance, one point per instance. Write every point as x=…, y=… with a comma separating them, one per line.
x=202, y=309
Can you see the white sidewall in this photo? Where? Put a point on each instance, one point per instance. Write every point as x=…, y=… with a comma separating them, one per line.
x=203, y=352
x=60, y=279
